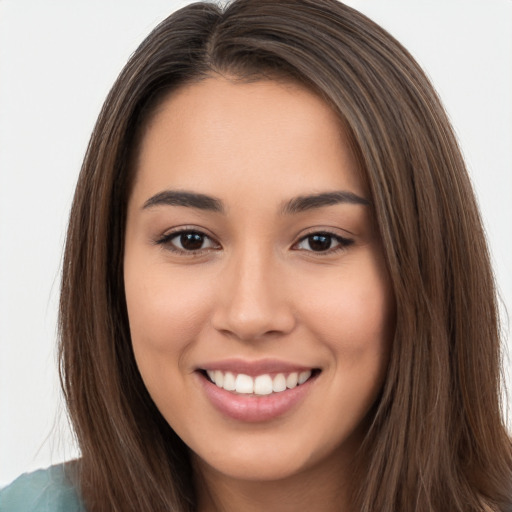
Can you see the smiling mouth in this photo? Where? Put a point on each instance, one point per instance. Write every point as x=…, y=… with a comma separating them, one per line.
x=259, y=385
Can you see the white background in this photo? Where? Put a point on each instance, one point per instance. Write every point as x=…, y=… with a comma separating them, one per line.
x=58, y=60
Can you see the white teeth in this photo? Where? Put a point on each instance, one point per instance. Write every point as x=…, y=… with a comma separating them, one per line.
x=304, y=376
x=263, y=385
x=244, y=384
x=260, y=385
x=292, y=380
x=229, y=382
x=279, y=383
x=219, y=378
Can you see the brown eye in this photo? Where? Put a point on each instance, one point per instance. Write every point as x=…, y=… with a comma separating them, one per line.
x=323, y=242
x=187, y=242
x=191, y=241
x=319, y=243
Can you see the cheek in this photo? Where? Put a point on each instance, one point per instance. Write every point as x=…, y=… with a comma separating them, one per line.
x=359, y=339
x=353, y=313
x=166, y=310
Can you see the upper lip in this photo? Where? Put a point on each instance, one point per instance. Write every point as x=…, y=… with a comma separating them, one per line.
x=254, y=368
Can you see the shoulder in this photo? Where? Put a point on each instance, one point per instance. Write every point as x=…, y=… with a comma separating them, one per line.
x=46, y=490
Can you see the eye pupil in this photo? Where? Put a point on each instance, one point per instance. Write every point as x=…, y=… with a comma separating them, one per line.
x=320, y=242
x=191, y=241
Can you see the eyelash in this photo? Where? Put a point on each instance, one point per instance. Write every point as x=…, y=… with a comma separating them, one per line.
x=166, y=241
x=343, y=242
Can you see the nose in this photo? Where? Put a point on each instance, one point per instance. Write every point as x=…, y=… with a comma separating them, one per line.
x=253, y=302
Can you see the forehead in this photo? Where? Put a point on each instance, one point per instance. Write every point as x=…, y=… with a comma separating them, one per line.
x=216, y=131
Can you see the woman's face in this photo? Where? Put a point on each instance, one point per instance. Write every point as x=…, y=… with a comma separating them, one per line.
x=259, y=303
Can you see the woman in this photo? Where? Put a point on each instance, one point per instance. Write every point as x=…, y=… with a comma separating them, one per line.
x=276, y=288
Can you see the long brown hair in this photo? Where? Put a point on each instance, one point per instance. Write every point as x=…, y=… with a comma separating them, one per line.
x=437, y=441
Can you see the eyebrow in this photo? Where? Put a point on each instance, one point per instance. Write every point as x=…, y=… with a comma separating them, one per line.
x=309, y=202
x=294, y=205
x=183, y=198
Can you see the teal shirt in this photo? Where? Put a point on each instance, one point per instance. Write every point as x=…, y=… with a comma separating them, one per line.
x=46, y=490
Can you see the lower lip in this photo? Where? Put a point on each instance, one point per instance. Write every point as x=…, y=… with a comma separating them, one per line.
x=254, y=408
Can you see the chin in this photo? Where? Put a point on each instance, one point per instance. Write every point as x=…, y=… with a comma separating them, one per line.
x=260, y=469
x=274, y=460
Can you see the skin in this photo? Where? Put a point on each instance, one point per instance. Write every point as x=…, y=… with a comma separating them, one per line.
x=256, y=289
